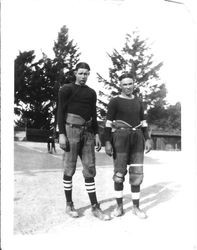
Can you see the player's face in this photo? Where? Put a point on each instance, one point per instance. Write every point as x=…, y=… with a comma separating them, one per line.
x=126, y=85
x=81, y=76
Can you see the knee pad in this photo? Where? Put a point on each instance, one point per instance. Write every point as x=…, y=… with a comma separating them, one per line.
x=136, y=175
x=118, y=177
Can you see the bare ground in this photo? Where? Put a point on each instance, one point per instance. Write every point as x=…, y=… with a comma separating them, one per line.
x=39, y=203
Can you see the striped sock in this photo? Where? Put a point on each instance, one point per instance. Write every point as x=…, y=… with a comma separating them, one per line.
x=91, y=189
x=118, y=187
x=67, y=182
x=135, y=194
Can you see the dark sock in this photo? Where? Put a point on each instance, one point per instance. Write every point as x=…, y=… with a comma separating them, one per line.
x=135, y=190
x=119, y=201
x=67, y=181
x=90, y=187
x=118, y=187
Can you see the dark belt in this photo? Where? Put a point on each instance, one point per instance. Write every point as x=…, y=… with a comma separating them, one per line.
x=120, y=125
x=129, y=129
x=77, y=125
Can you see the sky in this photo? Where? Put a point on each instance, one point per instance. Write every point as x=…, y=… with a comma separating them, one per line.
x=99, y=26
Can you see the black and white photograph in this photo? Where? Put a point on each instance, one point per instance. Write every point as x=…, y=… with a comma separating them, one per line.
x=98, y=124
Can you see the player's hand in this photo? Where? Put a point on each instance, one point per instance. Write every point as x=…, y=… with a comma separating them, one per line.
x=108, y=148
x=98, y=143
x=62, y=141
x=148, y=146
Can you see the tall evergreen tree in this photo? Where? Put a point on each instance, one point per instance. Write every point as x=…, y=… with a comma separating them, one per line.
x=37, y=83
x=66, y=57
x=32, y=92
x=136, y=58
x=22, y=75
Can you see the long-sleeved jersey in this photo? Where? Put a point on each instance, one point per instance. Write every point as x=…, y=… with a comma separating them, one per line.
x=82, y=103
x=130, y=111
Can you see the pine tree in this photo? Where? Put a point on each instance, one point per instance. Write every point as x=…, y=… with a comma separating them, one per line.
x=37, y=83
x=22, y=74
x=66, y=57
x=32, y=92
x=136, y=58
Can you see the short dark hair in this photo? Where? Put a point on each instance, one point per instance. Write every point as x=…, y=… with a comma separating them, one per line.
x=126, y=75
x=82, y=65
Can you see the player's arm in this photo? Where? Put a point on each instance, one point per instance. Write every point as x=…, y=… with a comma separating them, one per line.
x=148, y=141
x=62, y=97
x=111, y=114
x=108, y=138
x=95, y=123
x=108, y=127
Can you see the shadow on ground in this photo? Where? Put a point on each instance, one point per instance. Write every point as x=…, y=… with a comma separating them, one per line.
x=151, y=197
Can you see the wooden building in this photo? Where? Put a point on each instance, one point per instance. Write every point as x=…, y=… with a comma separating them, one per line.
x=163, y=140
